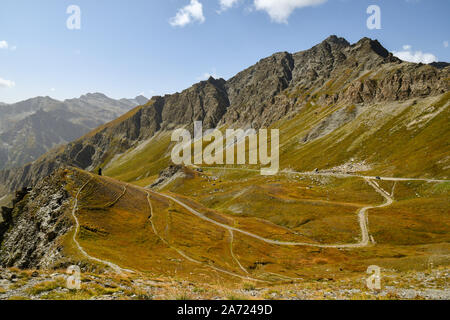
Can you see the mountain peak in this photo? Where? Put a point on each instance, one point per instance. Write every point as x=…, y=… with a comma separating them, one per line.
x=141, y=100
x=94, y=95
x=333, y=39
x=373, y=45
x=440, y=64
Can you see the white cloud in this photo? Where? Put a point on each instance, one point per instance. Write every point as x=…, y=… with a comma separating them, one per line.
x=52, y=89
x=417, y=57
x=227, y=4
x=188, y=14
x=445, y=44
x=5, y=45
x=280, y=10
x=7, y=83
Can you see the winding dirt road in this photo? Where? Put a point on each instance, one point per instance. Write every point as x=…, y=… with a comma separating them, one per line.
x=362, y=216
x=113, y=266
x=181, y=253
x=232, y=252
x=120, y=270
x=112, y=203
x=331, y=174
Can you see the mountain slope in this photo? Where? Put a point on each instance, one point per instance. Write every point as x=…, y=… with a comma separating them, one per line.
x=12, y=113
x=35, y=135
x=30, y=128
x=333, y=90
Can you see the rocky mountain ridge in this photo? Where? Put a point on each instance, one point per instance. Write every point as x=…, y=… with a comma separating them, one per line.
x=329, y=74
x=30, y=229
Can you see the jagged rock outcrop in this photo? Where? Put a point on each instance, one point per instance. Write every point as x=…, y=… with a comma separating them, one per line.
x=167, y=175
x=6, y=213
x=406, y=81
x=5, y=221
x=31, y=231
x=253, y=90
x=206, y=101
x=331, y=73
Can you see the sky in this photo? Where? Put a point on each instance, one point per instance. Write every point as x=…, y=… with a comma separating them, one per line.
x=124, y=48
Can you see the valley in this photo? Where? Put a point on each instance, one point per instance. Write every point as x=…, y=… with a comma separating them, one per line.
x=363, y=180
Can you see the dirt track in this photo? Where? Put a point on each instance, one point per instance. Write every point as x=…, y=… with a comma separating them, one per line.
x=113, y=266
x=362, y=216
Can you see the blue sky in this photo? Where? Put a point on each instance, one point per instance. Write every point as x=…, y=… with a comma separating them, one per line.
x=152, y=47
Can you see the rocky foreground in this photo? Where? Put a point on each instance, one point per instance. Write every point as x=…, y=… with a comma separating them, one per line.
x=52, y=285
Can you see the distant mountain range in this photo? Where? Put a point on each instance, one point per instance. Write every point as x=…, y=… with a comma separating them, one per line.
x=30, y=128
